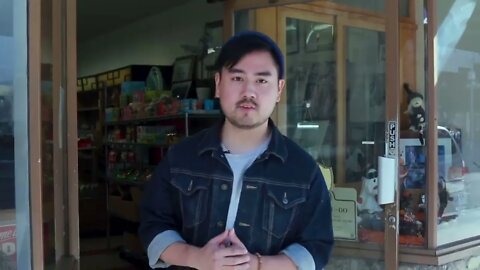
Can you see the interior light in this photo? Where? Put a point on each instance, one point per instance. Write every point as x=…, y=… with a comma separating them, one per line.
x=307, y=125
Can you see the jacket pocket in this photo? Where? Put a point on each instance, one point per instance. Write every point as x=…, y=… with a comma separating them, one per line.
x=193, y=198
x=280, y=207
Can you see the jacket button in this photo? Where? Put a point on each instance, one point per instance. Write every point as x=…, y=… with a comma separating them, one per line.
x=220, y=224
x=224, y=186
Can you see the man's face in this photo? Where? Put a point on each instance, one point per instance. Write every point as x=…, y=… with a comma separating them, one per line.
x=249, y=90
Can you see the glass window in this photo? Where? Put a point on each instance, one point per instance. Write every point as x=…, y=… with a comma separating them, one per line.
x=457, y=63
x=242, y=20
x=374, y=5
x=14, y=181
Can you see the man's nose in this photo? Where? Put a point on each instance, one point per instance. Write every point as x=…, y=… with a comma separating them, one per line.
x=249, y=91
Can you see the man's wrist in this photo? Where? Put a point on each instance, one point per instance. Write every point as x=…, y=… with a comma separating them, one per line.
x=259, y=261
x=192, y=256
x=254, y=263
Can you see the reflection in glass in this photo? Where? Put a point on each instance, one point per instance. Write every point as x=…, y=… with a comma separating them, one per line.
x=311, y=92
x=14, y=180
x=365, y=125
x=458, y=89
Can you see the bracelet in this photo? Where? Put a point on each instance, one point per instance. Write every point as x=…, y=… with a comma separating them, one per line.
x=259, y=257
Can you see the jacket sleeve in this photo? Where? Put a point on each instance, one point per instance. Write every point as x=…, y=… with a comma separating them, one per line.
x=316, y=233
x=158, y=211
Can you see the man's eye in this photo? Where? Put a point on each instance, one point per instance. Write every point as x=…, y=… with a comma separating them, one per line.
x=237, y=79
x=262, y=81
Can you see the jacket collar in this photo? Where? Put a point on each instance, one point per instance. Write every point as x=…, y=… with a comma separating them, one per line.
x=211, y=141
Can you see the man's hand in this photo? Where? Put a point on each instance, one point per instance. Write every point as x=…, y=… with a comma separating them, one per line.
x=235, y=241
x=216, y=254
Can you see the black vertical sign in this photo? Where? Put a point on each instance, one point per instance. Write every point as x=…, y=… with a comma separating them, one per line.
x=392, y=139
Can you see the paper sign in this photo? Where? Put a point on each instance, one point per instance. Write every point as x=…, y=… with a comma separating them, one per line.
x=344, y=213
x=387, y=175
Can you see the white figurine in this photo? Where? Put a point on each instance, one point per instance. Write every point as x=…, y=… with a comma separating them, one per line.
x=367, y=201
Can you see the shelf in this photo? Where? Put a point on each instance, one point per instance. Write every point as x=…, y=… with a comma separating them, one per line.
x=133, y=144
x=88, y=109
x=86, y=156
x=199, y=114
x=87, y=148
x=93, y=91
x=126, y=182
x=90, y=198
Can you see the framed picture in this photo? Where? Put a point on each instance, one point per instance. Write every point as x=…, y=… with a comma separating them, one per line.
x=292, y=36
x=414, y=156
x=319, y=36
x=181, y=90
x=214, y=33
x=183, y=68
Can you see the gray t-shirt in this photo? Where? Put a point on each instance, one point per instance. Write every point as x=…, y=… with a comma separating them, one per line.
x=239, y=163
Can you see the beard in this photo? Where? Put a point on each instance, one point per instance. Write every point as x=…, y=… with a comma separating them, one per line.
x=241, y=124
x=244, y=121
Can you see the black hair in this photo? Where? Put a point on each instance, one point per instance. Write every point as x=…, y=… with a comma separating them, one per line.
x=247, y=42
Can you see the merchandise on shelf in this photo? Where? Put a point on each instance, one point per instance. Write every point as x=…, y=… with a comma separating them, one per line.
x=154, y=134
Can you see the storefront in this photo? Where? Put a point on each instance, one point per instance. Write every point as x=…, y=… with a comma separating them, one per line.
x=381, y=93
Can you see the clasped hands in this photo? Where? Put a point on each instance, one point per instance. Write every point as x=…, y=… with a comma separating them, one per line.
x=225, y=251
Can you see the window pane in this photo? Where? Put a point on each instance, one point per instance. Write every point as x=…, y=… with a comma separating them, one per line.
x=242, y=18
x=14, y=181
x=374, y=5
x=311, y=87
x=458, y=87
x=365, y=125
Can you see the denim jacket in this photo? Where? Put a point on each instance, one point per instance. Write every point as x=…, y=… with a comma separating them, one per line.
x=284, y=198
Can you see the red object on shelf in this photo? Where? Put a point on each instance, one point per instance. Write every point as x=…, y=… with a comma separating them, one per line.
x=85, y=143
x=161, y=109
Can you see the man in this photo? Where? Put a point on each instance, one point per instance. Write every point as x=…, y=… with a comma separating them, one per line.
x=239, y=195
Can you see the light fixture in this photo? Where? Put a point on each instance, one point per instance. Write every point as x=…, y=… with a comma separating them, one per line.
x=307, y=123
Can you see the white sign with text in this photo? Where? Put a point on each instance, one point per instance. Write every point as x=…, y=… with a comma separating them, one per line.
x=344, y=213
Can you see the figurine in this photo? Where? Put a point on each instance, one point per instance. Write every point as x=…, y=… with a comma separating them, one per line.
x=443, y=196
x=416, y=111
x=366, y=200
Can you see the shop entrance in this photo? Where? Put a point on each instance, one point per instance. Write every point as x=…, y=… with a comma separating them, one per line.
x=340, y=104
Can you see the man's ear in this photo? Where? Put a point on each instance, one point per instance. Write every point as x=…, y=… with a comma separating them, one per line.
x=217, y=83
x=281, y=86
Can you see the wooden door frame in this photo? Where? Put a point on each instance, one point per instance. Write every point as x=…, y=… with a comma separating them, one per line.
x=392, y=95
x=72, y=197
x=34, y=132
x=66, y=199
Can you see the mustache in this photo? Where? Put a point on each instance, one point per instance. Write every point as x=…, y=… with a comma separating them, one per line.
x=246, y=102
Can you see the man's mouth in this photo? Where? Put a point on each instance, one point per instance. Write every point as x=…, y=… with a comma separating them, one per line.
x=248, y=106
